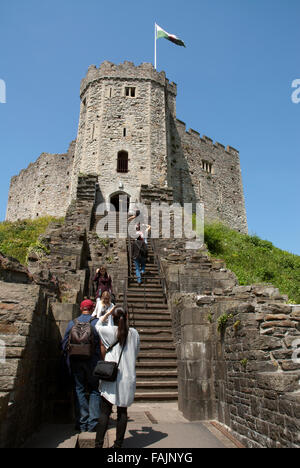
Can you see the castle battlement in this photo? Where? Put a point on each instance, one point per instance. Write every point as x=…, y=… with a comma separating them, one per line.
x=126, y=71
x=206, y=139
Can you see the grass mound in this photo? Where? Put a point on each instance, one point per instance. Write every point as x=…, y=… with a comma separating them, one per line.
x=254, y=260
x=16, y=239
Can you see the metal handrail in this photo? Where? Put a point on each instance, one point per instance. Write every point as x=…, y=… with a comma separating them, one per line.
x=129, y=255
x=162, y=277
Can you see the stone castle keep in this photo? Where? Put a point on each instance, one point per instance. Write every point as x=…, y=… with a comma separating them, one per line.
x=129, y=137
x=224, y=352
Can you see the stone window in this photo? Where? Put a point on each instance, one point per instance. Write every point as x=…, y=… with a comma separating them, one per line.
x=124, y=132
x=122, y=162
x=207, y=167
x=129, y=91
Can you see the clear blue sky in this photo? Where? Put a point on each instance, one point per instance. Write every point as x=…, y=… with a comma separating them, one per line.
x=234, y=84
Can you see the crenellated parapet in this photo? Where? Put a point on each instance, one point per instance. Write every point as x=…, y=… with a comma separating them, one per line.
x=126, y=71
x=205, y=139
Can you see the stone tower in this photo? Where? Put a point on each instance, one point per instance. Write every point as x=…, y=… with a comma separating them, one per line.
x=122, y=135
x=130, y=138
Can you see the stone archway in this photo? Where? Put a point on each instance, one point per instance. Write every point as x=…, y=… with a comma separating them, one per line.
x=120, y=201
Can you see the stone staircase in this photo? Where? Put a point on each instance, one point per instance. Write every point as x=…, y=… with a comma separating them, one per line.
x=149, y=314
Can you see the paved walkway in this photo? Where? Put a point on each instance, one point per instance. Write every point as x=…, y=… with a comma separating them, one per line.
x=157, y=425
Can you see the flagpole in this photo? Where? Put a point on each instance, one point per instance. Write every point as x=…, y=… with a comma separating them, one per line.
x=155, y=51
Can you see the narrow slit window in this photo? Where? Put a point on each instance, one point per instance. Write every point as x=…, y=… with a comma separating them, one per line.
x=122, y=165
x=124, y=132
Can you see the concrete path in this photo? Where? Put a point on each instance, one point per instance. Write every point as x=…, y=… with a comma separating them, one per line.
x=161, y=425
x=157, y=425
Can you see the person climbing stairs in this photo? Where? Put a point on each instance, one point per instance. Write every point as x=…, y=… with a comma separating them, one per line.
x=149, y=314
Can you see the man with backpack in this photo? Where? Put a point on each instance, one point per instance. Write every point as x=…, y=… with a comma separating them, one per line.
x=140, y=254
x=81, y=345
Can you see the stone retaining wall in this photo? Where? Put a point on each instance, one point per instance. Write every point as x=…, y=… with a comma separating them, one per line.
x=29, y=341
x=245, y=374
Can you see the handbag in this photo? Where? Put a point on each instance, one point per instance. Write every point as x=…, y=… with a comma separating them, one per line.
x=108, y=370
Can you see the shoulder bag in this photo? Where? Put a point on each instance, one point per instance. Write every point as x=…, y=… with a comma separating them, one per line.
x=106, y=370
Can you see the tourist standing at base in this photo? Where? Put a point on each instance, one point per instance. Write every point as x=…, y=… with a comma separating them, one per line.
x=121, y=392
x=81, y=345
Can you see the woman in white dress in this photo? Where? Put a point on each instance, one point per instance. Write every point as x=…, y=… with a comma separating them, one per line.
x=121, y=392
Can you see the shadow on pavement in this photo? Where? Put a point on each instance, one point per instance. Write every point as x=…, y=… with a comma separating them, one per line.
x=143, y=437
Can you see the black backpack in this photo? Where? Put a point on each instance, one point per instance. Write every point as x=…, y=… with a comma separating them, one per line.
x=142, y=249
x=81, y=340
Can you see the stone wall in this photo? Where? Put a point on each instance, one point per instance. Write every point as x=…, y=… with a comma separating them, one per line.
x=246, y=373
x=29, y=341
x=201, y=170
x=43, y=188
x=111, y=122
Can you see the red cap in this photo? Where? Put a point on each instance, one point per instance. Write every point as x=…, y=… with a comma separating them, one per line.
x=87, y=304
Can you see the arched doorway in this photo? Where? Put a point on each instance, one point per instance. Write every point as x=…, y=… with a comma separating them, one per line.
x=120, y=201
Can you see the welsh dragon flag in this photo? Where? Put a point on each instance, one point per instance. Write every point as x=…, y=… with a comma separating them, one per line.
x=171, y=37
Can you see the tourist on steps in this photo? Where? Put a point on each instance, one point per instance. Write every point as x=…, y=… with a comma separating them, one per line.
x=103, y=306
x=139, y=255
x=143, y=231
x=103, y=281
x=81, y=345
x=121, y=392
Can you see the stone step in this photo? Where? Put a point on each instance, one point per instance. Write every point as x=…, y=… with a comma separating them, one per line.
x=156, y=320
x=150, y=329
x=155, y=396
x=160, y=339
x=151, y=306
x=160, y=318
x=148, y=297
x=139, y=323
x=157, y=346
x=155, y=301
x=156, y=374
x=148, y=288
x=156, y=365
x=140, y=292
x=159, y=385
x=156, y=333
x=154, y=355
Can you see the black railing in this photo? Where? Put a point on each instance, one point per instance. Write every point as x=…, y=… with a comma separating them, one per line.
x=160, y=273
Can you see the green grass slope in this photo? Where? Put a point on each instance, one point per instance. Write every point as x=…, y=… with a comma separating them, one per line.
x=254, y=260
x=17, y=238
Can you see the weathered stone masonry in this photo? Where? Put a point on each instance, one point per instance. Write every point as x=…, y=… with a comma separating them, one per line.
x=244, y=375
x=131, y=110
x=43, y=189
